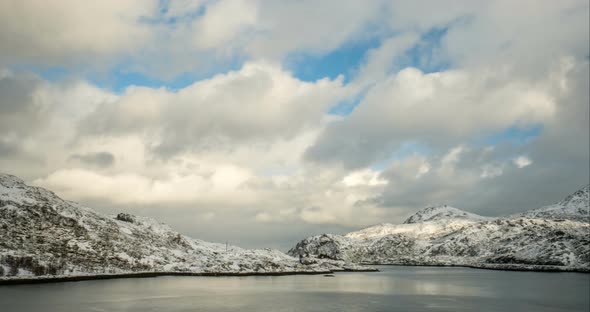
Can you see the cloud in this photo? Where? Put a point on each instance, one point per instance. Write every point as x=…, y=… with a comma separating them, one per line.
x=381, y=61
x=447, y=106
x=191, y=36
x=38, y=120
x=169, y=38
x=363, y=177
x=418, y=180
x=522, y=161
x=223, y=22
x=100, y=159
x=499, y=32
x=68, y=30
x=131, y=188
x=501, y=179
x=19, y=111
x=258, y=102
x=292, y=26
x=491, y=171
x=255, y=149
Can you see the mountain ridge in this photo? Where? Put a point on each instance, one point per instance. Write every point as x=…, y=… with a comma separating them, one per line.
x=573, y=206
x=442, y=235
x=437, y=212
x=44, y=236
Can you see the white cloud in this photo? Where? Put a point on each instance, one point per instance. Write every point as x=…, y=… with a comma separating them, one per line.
x=223, y=22
x=363, y=177
x=491, y=171
x=132, y=188
x=309, y=26
x=434, y=108
x=260, y=101
x=55, y=32
x=522, y=161
x=166, y=38
x=254, y=145
x=381, y=60
x=423, y=169
x=450, y=160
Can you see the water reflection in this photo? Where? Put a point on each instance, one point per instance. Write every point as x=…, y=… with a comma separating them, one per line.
x=382, y=283
x=392, y=289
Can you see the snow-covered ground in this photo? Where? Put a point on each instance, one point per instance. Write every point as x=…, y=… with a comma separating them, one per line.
x=556, y=237
x=573, y=207
x=42, y=235
x=443, y=212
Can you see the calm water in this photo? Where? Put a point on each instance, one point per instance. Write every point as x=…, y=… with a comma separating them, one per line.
x=392, y=289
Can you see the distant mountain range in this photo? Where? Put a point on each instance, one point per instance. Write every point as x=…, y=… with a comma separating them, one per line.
x=43, y=236
x=556, y=238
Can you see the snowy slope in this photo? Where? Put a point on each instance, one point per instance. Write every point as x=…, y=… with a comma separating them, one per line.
x=421, y=229
x=43, y=235
x=573, y=207
x=448, y=236
x=442, y=212
x=428, y=221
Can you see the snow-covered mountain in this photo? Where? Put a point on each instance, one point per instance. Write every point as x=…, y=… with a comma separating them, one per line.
x=550, y=238
x=573, y=207
x=42, y=235
x=442, y=212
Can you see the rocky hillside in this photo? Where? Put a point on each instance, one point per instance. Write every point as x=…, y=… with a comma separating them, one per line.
x=573, y=207
x=442, y=212
x=43, y=235
x=550, y=238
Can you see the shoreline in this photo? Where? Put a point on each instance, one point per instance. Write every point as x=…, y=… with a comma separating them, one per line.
x=80, y=278
x=492, y=267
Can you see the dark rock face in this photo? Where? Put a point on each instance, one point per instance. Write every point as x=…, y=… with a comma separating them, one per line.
x=126, y=217
x=321, y=247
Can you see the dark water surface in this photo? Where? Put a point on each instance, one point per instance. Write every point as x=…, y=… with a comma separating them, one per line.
x=395, y=288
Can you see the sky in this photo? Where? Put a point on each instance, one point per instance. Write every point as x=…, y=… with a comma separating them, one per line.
x=262, y=122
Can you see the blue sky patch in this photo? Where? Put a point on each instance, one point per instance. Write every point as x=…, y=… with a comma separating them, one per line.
x=345, y=60
x=342, y=61
x=515, y=135
x=162, y=18
x=119, y=78
x=425, y=55
x=49, y=73
x=346, y=107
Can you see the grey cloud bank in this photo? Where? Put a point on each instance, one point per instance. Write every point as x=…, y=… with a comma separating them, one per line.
x=252, y=155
